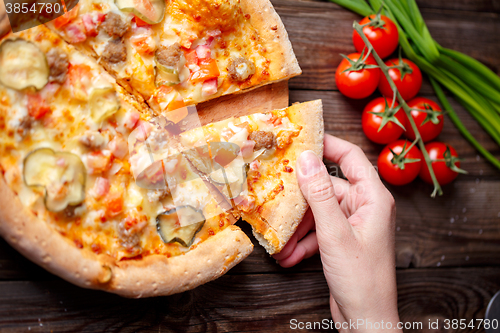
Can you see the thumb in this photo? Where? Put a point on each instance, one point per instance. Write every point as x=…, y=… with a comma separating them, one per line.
x=319, y=191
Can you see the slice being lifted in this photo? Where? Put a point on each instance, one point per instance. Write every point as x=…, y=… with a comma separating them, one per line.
x=259, y=179
x=177, y=52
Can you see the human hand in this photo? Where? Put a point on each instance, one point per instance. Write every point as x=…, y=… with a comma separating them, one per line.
x=354, y=222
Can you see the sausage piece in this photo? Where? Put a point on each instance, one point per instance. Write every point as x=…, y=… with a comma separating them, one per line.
x=169, y=55
x=58, y=65
x=263, y=139
x=115, y=52
x=240, y=69
x=115, y=26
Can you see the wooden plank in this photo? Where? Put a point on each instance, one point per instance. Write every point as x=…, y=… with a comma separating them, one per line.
x=320, y=31
x=270, y=97
x=469, y=5
x=237, y=303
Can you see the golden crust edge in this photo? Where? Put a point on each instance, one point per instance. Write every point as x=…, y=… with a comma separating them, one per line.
x=285, y=212
x=267, y=22
x=155, y=275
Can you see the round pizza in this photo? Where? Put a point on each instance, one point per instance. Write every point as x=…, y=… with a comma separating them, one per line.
x=108, y=177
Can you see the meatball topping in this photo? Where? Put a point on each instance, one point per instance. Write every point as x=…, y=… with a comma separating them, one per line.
x=58, y=66
x=240, y=69
x=115, y=52
x=115, y=26
x=169, y=55
x=263, y=139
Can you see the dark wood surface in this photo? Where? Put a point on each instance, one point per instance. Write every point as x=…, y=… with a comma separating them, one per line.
x=448, y=249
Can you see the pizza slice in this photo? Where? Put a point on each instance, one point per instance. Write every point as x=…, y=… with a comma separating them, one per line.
x=252, y=163
x=81, y=198
x=177, y=52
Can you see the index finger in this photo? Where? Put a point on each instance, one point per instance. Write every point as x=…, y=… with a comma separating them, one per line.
x=353, y=162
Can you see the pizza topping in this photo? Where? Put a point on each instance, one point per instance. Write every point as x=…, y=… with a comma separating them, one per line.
x=75, y=32
x=131, y=118
x=240, y=69
x=103, y=103
x=203, y=52
x=115, y=26
x=101, y=187
x=168, y=62
x=22, y=65
x=113, y=204
x=63, y=20
x=80, y=77
x=149, y=11
x=98, y=161
x=118, y=147
x=209, y=87
x=158, y=194
x=247, y=148
x=207, y=69
x=143, y=43
x=37, y=106
x=58, y=65
x=232, y=178
x=91, y=22
x=92, y=140
x=263, y=139
x=129, y=231
x=115, y=51
x=61, y=174
x=180, y=225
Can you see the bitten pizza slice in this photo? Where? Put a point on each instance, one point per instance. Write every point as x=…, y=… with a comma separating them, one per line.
x=83, y=200
x=177, y=52
x=252, y=163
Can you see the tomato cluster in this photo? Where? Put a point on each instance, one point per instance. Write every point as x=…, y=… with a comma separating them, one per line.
x=383, y=120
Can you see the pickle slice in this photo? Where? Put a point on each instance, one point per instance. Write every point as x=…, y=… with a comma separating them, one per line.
x=61, y=174
x=103, y=103
x=231, y=178
x=150, y=11
x=169, y=225
x=166, y=76
x=23, y=65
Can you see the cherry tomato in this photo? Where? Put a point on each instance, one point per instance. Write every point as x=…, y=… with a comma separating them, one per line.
x=383, y=36
x=429, y=130
x=396, y=170
x=371, y=122
x=408, y=86
x=444, y=174
x=360, y=82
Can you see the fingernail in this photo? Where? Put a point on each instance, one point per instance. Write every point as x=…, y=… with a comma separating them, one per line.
x=309, y=163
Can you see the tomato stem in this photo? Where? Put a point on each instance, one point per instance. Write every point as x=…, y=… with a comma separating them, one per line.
x=418, y=138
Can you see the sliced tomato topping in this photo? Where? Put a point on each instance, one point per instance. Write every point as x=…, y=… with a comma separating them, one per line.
x=63, y=20
x=176, y=104
x=114, y=204
x=80, y=78
x=37, y=107
x=141, y=23
x=208, y=70
x=143, y=44
x=191, y=57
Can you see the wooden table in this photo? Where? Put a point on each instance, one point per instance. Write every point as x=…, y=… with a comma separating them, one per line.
x=448, y=249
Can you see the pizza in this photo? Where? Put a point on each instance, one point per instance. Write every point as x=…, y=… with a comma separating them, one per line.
x=106, y=192
x=179, y=52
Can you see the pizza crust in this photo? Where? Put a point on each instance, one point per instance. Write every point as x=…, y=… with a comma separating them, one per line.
x=154, y=275
x=272, y=32
x=283, y=214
